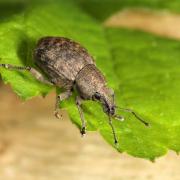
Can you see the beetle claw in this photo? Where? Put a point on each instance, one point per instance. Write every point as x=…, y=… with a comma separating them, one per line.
x=57, y=115
x=83, y=131
x=119, y=118
x=116, y=142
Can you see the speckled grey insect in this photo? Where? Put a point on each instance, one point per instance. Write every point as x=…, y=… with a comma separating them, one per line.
x=68, y=65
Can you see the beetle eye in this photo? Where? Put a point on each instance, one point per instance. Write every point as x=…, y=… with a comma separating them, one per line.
x=97, y=96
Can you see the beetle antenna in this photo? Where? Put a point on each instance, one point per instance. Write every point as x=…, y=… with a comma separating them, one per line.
x=132, y=112
x=113, y=130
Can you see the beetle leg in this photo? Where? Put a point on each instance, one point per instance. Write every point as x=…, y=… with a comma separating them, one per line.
x=33, y=71
x=78, y=103
x=59, y=98
x=113, y=130
x=39, y=76
x=118, y=117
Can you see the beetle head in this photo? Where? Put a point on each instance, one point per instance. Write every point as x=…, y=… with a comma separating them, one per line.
x=106, y=98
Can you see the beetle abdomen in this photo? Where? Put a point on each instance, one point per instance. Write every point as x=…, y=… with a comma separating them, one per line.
x=61, y=58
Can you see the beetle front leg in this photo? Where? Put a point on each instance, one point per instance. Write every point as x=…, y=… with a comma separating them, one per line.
x=78, y=103
x=63, y=96
x=33, y=71
x=118, y=117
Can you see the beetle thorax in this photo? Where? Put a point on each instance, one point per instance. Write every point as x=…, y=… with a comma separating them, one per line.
x=90, y=82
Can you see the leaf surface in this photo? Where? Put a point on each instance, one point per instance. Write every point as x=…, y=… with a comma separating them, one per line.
x=142, y=69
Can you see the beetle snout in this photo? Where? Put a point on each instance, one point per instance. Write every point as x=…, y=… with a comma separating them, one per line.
x=112, y=110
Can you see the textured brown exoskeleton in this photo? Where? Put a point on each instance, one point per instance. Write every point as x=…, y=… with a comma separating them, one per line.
x=68, y=65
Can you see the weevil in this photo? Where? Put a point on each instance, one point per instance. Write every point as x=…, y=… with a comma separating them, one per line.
x=66, y=64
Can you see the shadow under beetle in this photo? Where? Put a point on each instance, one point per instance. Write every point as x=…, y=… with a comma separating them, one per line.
x=68, y=65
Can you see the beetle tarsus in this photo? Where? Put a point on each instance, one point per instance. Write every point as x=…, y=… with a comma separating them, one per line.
x=119, y=118
x=59, y=98
x=113, y=130
x=115, y=142
x=78, y=103
x=57, y=115
x=83, y=131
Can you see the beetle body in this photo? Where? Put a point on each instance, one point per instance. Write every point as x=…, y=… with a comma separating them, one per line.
x=68, y=65
x=61, y=59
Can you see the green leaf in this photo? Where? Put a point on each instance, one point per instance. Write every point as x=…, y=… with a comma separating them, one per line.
x=148, y=69
x=143, y=70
